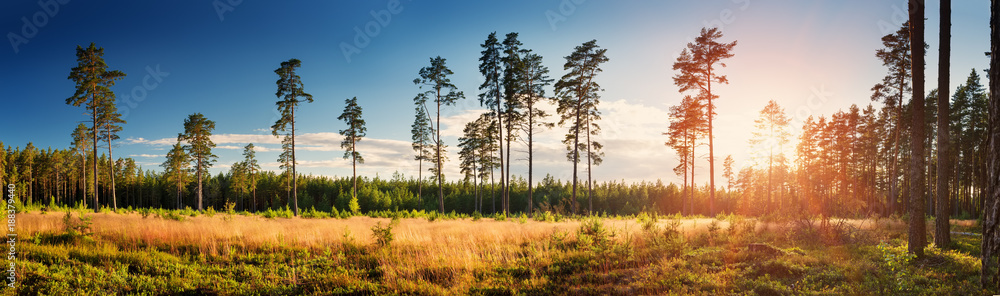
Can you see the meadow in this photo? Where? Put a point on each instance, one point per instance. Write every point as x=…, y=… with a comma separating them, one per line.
x=183, y=252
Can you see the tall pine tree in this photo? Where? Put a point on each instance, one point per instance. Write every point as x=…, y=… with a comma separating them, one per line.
x=579, y=96
x=93, y=87
x=353, y=134
x=697, y=72
x=197, y=134
x=439, y=87
x=290, y=90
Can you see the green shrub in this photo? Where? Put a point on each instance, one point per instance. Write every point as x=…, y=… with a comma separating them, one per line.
x=145, y=212
x=353, y=206
x=270, y=214
x=648, y=223
x=78, y=228
x=383, y=235
x=230, y=208
x=313, y=213
x=172, y=215
x=210, y=212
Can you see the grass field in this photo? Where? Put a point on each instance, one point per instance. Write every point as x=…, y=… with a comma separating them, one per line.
x=225, y=254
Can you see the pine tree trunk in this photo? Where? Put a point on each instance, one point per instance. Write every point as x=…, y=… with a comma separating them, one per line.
x=93, y=116
x=295, y=176
x=111, y=161
x=590, y=156
x=576, y=152
x=438, y=157
x=531, y=127
x=83, y=176
x=503, y=174
x=711, y=150
x=693, y=186
x=917, y=235
x=200, y=168
x=420, y=177
x=506, y=195
x=942, y=232
x=991, y=210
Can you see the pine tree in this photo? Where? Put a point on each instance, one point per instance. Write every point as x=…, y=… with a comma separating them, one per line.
x=285, y=164
x=772, y=132
x=470, y=143
x=197, y=134
x=81, y=139
x=435, y=78
x=513, y=86
x=290, y=89
x=942, y=229
x=894, y=86
x=108, y=126
x=535, y=78
x=251, y=168
x=93, y=82
x=697, y=66
x=421, y=135
x=687, y=126
x=353, y=134
x=486, y=159
x=490, y=95
x=917, y=234
x=176, y=167
x=578, y=96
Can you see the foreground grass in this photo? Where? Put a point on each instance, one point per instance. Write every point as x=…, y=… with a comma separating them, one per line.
x=248, y=255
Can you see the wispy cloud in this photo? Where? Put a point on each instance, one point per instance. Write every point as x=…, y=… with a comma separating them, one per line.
x=159, y=142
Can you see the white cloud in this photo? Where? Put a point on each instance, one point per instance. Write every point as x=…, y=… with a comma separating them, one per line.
x=159, y=142
x=245, y=138
x=452, y=126
x=146, y=155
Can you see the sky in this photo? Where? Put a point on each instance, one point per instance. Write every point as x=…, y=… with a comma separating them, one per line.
x=218, y=58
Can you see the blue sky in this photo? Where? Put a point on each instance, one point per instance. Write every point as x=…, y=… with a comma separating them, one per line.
x=812, y=57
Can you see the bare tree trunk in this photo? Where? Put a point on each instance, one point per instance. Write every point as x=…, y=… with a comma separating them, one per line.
x=295, y=176
x=711, y=150
x=576, y=153
x=93, y=116
x=503, y=176
x=354, y=170
x=590, y=179
x=693, y=186
x=531, y=127
x=918, y=233
x=111, y=161
x=439, y=156
x=991, y=210
x=510, y=135
x=942, y=231
x=200, y=168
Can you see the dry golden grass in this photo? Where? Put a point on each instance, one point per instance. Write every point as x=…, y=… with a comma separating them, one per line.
x=255, y=232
